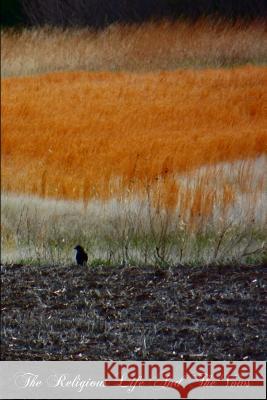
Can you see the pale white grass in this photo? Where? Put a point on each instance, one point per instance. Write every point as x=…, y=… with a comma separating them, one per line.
x=145, y=47
x=246, y=178
x=131, y=230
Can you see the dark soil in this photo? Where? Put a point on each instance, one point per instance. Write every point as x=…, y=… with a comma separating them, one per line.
x=131, y=313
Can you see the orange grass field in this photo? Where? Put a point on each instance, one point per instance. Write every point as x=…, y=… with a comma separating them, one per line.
x=70, y=135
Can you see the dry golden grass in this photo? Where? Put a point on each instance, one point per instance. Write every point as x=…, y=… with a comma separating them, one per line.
x=86, y=135
x=146, y=47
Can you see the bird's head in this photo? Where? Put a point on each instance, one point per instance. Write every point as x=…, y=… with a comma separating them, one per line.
x=78, y=248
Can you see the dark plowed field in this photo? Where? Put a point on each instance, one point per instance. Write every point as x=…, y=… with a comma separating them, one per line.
x=131, y=313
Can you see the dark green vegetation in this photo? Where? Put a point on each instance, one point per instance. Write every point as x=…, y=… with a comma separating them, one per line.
x=123, y=313
x=100, y=13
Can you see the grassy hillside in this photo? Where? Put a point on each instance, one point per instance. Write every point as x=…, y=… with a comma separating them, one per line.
x=146, y=144
x=138, y=160
x=166, y=167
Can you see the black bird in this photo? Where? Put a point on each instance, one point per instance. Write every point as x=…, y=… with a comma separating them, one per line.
x=81, y=256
